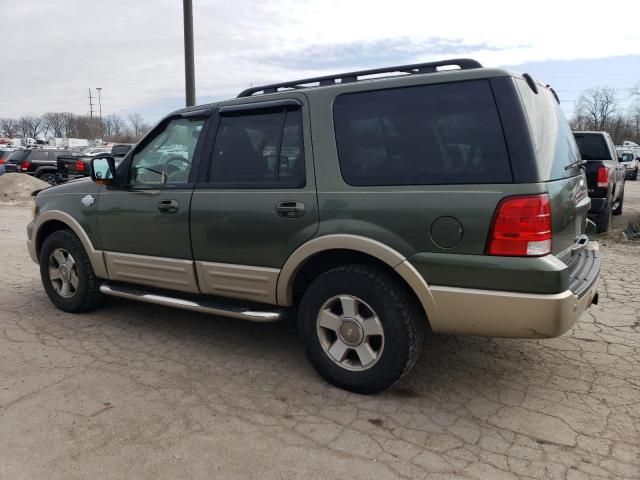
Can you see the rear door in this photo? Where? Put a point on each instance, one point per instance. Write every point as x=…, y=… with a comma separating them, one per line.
x=256, y=200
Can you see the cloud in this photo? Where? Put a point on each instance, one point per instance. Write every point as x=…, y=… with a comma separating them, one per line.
x=377, y=52
x=54, y=50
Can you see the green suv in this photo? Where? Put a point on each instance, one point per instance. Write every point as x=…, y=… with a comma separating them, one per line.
x=374, y=205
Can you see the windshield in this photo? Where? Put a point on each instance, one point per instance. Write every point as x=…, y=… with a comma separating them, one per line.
x=625, y=156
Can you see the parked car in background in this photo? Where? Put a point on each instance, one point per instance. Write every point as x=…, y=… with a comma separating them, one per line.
x=445, y=200
x=627, y=157
x=74, y=166
x=605, y=176
x=4, y=155
x=38, y=162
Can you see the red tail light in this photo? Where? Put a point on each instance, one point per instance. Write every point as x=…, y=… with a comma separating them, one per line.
x=1, y=161
x=80, y=166
x=521, y=227
x=25, y=165
x=603, y=177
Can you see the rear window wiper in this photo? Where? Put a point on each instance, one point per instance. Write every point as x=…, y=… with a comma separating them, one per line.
x=577, y=163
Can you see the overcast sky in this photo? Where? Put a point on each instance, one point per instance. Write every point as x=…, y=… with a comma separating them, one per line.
x=54, y=50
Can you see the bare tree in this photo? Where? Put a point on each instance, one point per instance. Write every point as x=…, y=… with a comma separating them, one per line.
x=635, y=90
x=9, y=127
x=113, y=125
x=596, y=107
x=30, y=126
x=55, y=123
x=138, y=124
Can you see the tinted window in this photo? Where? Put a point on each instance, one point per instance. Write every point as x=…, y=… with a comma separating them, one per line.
x=593, y=146
x=426, y=135
x=261, y=149
x=552, y=136
x=120, y=150
x=166, y=156
x=18, y=156
x=39, y=155
x=625, y=156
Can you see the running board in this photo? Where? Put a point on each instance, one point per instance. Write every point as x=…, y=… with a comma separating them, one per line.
x=204, y=306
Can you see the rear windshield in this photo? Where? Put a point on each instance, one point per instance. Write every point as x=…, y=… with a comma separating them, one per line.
x=120, y=149
x=425, y=135
x=18, y=156
x=552, y=136
x=625, y=156
x=592, y=146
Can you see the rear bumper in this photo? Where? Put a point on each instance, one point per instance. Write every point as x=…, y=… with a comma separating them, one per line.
x=470, y=311
x=463, y=311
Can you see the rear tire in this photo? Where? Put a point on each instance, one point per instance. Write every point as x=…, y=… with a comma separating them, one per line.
x=635, y=175
x=50, y=178
x=361, y=327
x=67, y=274
x=604, y=219
x=618, y=209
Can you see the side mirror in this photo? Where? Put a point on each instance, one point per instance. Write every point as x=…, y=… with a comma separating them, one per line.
x=103, y=170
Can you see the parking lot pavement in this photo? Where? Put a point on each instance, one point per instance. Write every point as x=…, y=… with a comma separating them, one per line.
x=139, y=391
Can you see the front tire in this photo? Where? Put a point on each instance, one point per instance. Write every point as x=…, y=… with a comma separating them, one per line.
x=362, y=329
x=67, y=274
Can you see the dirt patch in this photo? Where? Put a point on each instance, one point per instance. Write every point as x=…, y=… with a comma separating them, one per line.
x=17, y=187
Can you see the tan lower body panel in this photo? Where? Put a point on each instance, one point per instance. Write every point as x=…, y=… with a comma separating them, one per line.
x=465, y=311
x=169, y=273
x=257, y=284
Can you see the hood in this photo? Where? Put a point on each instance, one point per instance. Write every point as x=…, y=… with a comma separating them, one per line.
x=81, y=185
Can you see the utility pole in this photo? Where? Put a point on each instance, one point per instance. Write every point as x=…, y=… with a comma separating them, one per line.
x=189, y=64
x=90, y=105
x=100, y=107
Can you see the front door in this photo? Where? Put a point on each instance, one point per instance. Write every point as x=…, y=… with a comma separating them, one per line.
x=256, y=202
x=144, y=224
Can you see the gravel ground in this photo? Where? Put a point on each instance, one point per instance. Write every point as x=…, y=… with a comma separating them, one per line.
x=138, y=391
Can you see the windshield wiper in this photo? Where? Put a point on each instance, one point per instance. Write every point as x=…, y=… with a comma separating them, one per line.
x=577, y=163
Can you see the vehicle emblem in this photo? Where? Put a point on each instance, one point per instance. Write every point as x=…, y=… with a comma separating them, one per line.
x=87, y=200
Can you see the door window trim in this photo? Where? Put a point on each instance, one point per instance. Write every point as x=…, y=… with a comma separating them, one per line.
x=123, y=175
x=206, y=160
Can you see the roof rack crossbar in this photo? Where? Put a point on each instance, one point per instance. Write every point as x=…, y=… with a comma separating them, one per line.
x=417, y=68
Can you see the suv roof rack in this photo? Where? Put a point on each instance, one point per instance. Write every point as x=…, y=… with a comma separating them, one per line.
x=416, y=68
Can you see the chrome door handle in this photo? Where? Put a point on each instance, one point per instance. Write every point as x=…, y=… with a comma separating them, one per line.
x=168, y=206
x=291, y=209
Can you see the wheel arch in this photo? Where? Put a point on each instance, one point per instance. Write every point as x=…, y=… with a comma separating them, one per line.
x=327, y=252
x=55, y=220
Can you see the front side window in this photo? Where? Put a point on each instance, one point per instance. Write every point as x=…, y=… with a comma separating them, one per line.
x=424, y=135
x=166, y=158
x=259, y=149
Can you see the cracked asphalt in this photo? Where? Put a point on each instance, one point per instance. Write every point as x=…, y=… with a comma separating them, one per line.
x=139, y=391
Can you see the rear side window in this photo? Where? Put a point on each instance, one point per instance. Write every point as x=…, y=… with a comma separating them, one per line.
x=259, y=149
x=593, y=146
x=426, y=135
x=39, y=155
x=18, y=156
x=552, y=136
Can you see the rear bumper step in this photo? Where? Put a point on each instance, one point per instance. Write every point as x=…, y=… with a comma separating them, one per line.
x=252, y=314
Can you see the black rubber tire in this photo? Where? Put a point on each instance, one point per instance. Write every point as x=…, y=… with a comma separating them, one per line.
x=88, y=295
x=50, y=178
x=635, y=175
x=603, y=221
x=618, y=210
x=402, y=320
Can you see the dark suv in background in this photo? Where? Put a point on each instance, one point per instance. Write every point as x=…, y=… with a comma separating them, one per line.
x=37, y=162
x=428, y=198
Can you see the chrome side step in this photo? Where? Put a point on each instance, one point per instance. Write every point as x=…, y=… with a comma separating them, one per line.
x=233, y=311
